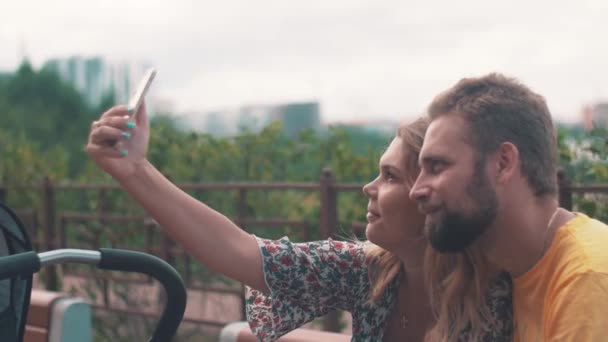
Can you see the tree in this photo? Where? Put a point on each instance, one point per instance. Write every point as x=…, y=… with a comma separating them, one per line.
x=45, y=110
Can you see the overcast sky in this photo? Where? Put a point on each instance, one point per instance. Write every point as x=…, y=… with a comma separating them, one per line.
x=361, y=59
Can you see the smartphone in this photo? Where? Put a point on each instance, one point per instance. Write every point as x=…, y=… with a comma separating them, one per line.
x=140, y=92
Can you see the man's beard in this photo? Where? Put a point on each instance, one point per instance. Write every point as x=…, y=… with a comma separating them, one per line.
x=455, y=231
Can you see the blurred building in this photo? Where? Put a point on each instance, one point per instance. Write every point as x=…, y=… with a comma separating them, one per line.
x=298, y=116
x=595, y=115
x=384, y=127
x=96, y=78
x=229, y=122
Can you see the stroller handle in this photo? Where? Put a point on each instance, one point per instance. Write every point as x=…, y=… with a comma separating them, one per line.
x=25, y=264
x=22, y=264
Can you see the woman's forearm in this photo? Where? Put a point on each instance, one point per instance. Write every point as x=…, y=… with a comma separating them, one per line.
x=212, y=238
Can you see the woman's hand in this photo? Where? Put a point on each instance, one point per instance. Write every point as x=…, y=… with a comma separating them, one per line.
x=117, y=143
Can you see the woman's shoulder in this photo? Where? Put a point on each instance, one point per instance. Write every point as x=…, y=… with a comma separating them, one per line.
x=327, y=244
x=347, y=256
x=500, y=304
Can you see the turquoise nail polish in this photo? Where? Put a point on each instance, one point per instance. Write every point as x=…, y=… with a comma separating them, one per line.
x=126, y=135
x=123, y=152
x=130, y=125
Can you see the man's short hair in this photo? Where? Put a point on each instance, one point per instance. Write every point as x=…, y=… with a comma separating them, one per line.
x=499, y=109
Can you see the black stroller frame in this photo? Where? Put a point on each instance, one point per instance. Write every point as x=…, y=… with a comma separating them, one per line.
x=18, y=263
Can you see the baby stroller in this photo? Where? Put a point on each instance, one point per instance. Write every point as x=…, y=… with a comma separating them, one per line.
x=18, y=263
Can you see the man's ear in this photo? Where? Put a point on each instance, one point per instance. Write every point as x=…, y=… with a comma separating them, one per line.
x=507, y=162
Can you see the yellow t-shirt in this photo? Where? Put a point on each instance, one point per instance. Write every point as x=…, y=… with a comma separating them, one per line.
x=564, y=297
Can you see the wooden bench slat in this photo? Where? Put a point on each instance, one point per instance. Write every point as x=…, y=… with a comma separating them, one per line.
x=35, y=334
x=240, y=332
x=41, y=302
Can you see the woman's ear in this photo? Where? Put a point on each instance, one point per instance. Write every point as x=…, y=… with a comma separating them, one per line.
x=507, y=162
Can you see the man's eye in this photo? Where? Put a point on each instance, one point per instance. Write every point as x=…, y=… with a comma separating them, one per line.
x=436, y=166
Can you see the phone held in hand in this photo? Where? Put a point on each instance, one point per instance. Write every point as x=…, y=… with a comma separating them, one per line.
x=140, y=92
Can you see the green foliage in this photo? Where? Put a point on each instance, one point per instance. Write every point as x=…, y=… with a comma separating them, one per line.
x=41, y=108
x=584, y=156
x=23, y=162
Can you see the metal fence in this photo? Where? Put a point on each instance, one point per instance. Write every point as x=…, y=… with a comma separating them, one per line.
x=50, y=228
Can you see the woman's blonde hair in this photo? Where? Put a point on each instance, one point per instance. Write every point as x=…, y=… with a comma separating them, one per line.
x=386, y=265
x=457, y=282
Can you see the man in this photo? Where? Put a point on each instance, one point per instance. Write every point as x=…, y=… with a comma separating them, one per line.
x=489, y=177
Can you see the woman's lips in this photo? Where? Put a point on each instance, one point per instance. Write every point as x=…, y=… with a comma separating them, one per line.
x=371, y=217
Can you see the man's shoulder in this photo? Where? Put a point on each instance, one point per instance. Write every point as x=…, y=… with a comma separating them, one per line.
x=586, y=231
x=581, y=245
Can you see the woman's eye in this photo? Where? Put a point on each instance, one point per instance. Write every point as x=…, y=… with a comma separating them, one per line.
x=389, y=176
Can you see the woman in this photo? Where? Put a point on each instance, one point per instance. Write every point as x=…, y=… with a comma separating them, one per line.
x=385, y=284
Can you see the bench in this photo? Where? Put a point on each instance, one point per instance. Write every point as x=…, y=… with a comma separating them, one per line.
x=56, y=317
x=240, y=332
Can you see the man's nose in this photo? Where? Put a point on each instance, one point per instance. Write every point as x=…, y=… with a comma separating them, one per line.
x=420, y=192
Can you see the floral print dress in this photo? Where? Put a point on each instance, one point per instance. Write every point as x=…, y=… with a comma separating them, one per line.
x=308, y=280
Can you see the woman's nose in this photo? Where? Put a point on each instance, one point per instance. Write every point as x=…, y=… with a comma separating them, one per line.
x=370, y=189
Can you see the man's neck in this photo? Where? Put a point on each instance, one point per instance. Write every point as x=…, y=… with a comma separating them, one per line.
x=521, y=235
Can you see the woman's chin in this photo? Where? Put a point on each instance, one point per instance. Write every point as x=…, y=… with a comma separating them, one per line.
x=373, y=233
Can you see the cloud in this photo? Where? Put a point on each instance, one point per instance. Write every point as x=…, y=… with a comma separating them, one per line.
x=360, y=58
